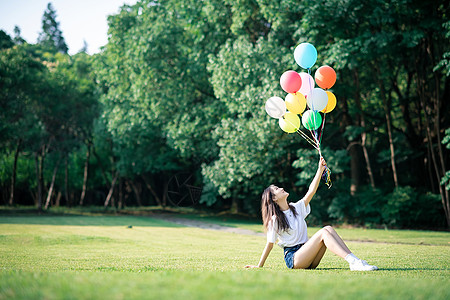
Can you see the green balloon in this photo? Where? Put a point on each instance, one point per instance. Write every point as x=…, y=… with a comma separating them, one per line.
x=311, y=120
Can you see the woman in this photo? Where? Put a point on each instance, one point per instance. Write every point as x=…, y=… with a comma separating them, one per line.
x=287, y=223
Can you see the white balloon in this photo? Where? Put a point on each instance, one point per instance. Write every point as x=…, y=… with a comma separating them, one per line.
x=307, y=83
x=276, y=107
x=317, y=99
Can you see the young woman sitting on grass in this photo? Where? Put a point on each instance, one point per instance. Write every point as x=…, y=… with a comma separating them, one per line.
x=287, y=223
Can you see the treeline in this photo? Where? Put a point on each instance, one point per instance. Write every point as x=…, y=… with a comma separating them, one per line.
x=171, y=112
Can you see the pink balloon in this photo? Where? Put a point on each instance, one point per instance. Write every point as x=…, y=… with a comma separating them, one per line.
x=290, y=81
x=307, y=83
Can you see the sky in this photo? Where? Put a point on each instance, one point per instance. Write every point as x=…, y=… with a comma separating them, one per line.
x=79, y=20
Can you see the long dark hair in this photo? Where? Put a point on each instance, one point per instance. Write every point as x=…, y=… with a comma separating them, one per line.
x=269, y=208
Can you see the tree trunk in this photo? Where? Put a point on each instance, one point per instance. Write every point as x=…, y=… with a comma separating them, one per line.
x=367, y=159
x=355, y=154
x=236, y=205
x=430, y=170
x=85, y=177
x=52, y=185
x=136, y=192
x=437, y=128
x=66, y=182
x=101, y=167
x=355, y=165
x=33, y=196
x=391, y=142
x=363, y=125
x=111, y=190
x=437, y=165
x=150, y=188
x=387, y=113
x=120, y=202
x=38, y=181
x=166, y=188
x=411, y=131
x=58, y=199
x=13, y=179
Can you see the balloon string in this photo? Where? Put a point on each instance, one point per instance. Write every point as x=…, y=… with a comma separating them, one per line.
x=310, y=140
x=314, y=135
x=307, y=138
x=310, y=88
x=304, y=135
x=321, y=128
x=316, y=144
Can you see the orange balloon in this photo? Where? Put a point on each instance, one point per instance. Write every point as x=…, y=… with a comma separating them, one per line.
x=325, y=77
x=331, y=103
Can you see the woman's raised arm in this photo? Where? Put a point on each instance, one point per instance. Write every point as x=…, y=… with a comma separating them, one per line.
x=316, y=180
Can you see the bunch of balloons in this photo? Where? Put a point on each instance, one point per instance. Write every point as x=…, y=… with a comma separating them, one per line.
x=303, y=94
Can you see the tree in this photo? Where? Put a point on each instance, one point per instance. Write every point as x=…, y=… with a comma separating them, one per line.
x=84, y=49
x=51, y=36
x=5, y=40
x=158, y=98
x=70, y=111
x=18, y=40
x=250, y=142
x=22, y=81
x=408, y=86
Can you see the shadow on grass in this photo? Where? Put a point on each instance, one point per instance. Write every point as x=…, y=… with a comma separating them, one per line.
x=329, y=269
x=413, y=269
x=386, y=269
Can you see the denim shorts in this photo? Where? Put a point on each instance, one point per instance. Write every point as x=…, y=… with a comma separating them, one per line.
x=289, y=255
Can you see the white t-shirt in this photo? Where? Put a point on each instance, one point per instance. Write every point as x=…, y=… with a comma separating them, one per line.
x=297, y=234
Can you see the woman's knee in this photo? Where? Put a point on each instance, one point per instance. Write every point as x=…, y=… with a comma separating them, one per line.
x=329, y=228
x=324, y=232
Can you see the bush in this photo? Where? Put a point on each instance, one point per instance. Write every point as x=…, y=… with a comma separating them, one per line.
x=407, y=207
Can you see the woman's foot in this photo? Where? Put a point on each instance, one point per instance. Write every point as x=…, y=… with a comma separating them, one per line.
x=366, y=264
x=362, y=265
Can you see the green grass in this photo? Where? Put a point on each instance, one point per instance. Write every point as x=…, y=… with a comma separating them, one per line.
x=100, y=257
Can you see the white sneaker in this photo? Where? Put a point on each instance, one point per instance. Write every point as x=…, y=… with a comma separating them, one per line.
x=360, y=265
x=366, y=264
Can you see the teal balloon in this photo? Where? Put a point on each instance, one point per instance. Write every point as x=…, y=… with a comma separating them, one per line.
x=311, y=120
x=305, y=55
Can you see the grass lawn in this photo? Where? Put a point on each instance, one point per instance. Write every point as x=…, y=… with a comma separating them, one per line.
x=100, y=257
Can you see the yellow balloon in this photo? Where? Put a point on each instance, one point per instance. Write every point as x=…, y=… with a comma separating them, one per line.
x=331, y=103
x=295, y=103
x=290, y=122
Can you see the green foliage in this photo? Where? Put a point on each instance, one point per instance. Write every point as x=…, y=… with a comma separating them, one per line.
x=248, y=142
x=446, y=178
x=5, y=40
x=445, y=61
x=51, y=36
x=157, y=92
x=181, y=87
x=405, y=207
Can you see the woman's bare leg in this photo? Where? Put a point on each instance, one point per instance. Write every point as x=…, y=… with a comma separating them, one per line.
x=337, y=237
x=307, y=254
x=318, y=258
x=321, y=253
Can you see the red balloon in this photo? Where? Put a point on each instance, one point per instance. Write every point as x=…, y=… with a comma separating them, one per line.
x=325, y=77
x=290, y=81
